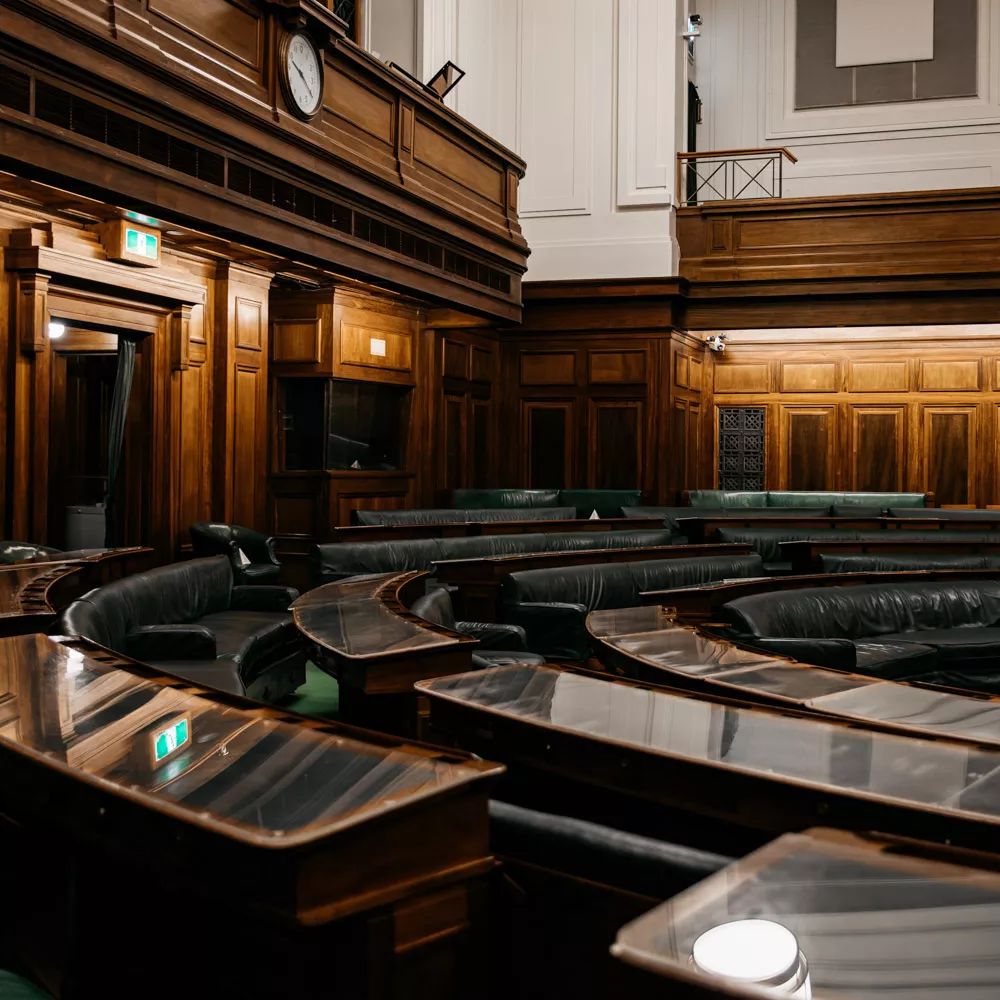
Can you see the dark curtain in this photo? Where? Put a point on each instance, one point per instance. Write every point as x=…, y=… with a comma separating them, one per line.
x=116, y=430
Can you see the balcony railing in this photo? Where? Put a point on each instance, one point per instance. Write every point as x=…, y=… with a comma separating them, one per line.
x=731, y=174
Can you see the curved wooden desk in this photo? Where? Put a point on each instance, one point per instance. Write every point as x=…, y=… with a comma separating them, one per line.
x=464, y=529
x=29, y=595
x=366, y=636
x=649, y=645
x=753, y=767
x=872, y=917
x=258, y=836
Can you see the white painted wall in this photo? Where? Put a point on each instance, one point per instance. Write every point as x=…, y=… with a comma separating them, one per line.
x=744, y=70
x=391, y=31
x=586, y=91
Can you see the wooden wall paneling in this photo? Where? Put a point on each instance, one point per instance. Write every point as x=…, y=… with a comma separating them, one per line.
x=373, y=338
x=694, y=444
x=454, y=449
x=240, y=373
x=950, y=375
x=950, y=449
x=878, y=376
x=481, y=443
x=607, y=367
x=548, y=367
x=616, y=435
x=808, y=376
x=550, y=428
x=808, y=447
x=732, y=377
x=878, y=443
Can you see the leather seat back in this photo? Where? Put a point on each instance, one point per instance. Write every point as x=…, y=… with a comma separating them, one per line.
x=607, y=503
x=460, y=515
x=212, y=538
x=727, y=498
x=334, y=561
x=483, y=546
x=170, y=595
x=571, y=541
x=14, y=552
x=888, y=563
x=435, y=606
x=618, y=585
x=478, y=498
x=945, y=515
x=602, y=585
x=426, y=516
x=767, y=541
x=869, y=610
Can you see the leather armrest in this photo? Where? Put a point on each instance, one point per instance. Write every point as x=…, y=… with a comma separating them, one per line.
x=495, y=635
x=837, y=653
x=262, y=598
x=171, y=642
x=555, y=629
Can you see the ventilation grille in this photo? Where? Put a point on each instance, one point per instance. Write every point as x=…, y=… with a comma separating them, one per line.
x=76, y=114
x=15, y=90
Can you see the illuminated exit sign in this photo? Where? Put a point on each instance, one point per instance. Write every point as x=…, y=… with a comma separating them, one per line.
x=142, y=244
x=170, y=738
x=129, y=242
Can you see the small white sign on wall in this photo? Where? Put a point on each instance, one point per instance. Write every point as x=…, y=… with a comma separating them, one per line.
x=871, y=32
x=377, y=347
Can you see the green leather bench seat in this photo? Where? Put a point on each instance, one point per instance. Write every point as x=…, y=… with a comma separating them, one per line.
x=337, y=560
x=14, y=987
x=905, y=562
x=959, y=621
x=798, y=498
x=607, y=503
x=946, y=514
x=552, y=605
x=449, y=515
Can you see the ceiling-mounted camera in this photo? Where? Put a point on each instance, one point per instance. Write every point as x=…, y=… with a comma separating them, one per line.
x=694, y=27
x=716, y=342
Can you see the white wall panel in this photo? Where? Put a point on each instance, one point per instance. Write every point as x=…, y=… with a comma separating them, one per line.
x=557, y=44
x=648, y=102
x=745, y=74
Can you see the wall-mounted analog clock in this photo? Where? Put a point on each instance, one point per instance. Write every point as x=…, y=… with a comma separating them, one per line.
x=301, y=71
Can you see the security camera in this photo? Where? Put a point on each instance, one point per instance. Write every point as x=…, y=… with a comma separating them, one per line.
x=694, y=27
x=716, y=342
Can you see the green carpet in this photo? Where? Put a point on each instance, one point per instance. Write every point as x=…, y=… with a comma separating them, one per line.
x=320, y=695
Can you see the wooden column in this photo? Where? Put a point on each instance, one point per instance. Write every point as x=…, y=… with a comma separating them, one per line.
x=239, y=433
x=28, y=409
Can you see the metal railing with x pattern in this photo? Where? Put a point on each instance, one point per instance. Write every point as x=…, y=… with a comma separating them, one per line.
x=731, y=174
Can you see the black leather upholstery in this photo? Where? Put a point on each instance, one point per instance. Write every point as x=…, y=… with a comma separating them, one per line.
x=501, y=643
x=802, y=498
x=210, y=538
x=960, y=621
x=888, y=563
x=185, y=618
x=15, y=552
x=596, y=853
x=552, y=604
x=337, y=560
x=505, y=498
x=462, y=515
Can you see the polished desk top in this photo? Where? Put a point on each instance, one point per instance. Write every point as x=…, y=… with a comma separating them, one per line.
x=958, y=781
x=650, y=636
x=361, y=617
x=245, y=775
x=24, y=587
x=85, y=555
x=869, y=920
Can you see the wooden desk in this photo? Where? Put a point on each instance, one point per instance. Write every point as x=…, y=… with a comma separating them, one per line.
x=649, y=646
x=366, y=636
x=281, y=856
x=479, y=581
x=701, y=603
x=749, y=766
x=805, y=556
x=465, y=529
x=32, y=593
x=873, y=916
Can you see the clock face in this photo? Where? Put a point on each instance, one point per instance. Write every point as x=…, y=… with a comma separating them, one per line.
x=304, y=74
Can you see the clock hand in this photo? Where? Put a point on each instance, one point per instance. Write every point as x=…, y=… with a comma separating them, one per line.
x=295, y=66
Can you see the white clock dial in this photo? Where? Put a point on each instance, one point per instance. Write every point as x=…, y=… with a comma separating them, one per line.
x=305, y=79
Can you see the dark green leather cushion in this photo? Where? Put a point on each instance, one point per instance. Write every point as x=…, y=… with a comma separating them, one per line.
x=767, y=541
x=506, y=498
x=796, y=498
x=607, y=503
x=545, y=513
x=855, y=510
x=420, y=516
x=727, y=498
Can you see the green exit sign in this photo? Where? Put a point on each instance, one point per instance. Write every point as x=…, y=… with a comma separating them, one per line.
x=142, y=244
x=175, y=736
